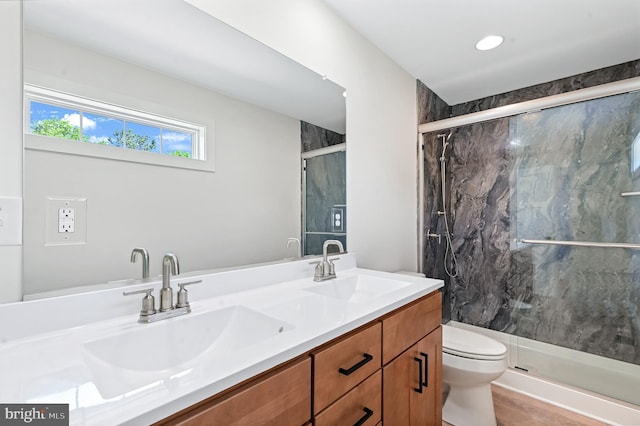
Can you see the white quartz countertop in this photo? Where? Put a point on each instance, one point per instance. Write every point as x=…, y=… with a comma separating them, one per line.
x=89, y=351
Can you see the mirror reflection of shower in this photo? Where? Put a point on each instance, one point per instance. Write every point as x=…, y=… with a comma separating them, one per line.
x=451, y=270
x=324, y=198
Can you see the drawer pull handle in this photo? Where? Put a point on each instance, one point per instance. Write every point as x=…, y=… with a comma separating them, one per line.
x=367, y=413
x=420, y=384
x=426, y=369
x=348, y=371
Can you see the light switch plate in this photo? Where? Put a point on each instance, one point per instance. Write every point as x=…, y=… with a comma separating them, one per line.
x=58, y=229
x=10, y=221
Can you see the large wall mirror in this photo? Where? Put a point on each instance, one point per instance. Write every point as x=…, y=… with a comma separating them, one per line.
x=167, y=60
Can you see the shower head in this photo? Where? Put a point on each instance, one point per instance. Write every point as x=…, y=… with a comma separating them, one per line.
x=445, y=142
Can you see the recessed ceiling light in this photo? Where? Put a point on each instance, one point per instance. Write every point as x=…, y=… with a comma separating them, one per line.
x=489, y=42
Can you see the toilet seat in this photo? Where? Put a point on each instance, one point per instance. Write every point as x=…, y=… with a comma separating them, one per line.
x=460, y=342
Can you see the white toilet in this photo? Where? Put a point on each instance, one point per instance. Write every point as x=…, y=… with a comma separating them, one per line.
x=470, y=362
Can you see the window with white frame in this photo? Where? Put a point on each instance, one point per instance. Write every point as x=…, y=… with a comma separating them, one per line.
x=115, y=132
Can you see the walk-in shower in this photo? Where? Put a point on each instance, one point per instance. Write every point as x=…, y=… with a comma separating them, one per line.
x=542, y=201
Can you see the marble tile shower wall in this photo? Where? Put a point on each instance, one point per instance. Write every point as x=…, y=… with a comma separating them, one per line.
x=431, y=108
x=536, y=177
x=315, y=137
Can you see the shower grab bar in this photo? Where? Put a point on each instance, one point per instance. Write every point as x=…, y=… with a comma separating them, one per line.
x=629, y=194
x=583, y=244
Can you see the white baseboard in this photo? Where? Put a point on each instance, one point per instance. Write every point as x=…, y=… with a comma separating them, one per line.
x=583, y=402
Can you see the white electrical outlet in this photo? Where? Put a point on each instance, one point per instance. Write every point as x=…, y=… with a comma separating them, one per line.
x=66, y=221
x=337, y=219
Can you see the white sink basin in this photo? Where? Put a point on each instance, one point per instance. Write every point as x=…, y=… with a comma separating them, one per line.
x=148, y=352
x=359, y=288
x=309, y=307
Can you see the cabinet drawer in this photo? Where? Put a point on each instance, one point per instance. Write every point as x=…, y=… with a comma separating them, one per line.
x=402, y=329
x=343, y=365
x=361, y=406
x=281, y=399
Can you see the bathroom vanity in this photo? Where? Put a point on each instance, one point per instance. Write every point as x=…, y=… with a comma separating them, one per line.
x=343, y=380
x=263, y=345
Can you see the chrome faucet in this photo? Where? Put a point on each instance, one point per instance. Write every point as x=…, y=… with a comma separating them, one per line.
x=170, y=266
x=148, y=313
x=325, y=269
x=145, y=259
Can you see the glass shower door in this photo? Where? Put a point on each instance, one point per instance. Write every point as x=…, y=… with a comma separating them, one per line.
x=576, y=242
x=325, y=200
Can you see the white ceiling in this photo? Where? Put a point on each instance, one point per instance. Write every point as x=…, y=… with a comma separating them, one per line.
x=434, y=40
x=179, y=40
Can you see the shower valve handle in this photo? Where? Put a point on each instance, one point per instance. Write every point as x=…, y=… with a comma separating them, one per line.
x=438, y=236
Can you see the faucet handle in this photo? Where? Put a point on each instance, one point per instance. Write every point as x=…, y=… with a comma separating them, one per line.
x=183, y=299
x=148, y=301
x=319, y=271
x=332, y=267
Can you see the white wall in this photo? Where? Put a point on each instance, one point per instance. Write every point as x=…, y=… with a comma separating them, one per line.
x=381, y=118
x=243, y=213
x=11, y=142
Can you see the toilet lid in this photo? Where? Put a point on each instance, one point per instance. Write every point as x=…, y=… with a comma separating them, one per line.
x=464, y=343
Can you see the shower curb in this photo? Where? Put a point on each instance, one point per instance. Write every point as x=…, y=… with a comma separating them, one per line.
x=597, y=407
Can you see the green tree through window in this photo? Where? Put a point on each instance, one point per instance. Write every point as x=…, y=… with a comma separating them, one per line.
x=131, y=141
x=58, y=128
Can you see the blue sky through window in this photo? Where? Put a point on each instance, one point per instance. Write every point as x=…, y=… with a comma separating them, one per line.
x=99, y=129
x=40, y=111
x=173, y=141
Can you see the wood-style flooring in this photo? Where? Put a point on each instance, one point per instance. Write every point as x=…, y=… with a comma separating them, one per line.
x=515, y=409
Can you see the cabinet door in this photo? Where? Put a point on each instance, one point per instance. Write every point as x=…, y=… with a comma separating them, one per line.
x=430, y=351
x=399, y=378
x=282, y=399
x=412, y=385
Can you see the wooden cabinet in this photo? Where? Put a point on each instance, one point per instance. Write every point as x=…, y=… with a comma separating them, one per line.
x=281, y=398
x=412, y=390
x=409, y=343
x=386, y=372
